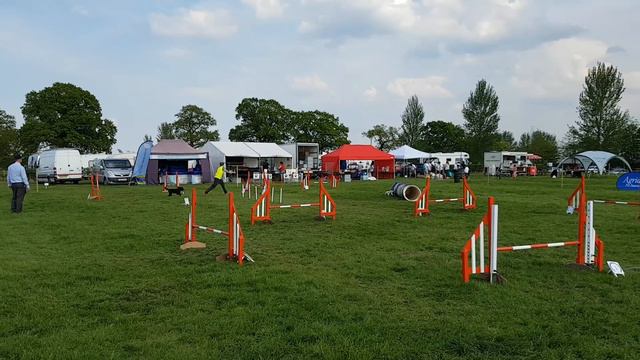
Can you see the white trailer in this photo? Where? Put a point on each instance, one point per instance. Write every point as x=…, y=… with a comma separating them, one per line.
x=305, y=156
x=504, y=160
x=458, y=157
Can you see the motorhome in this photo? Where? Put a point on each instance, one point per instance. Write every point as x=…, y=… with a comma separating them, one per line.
x=59, y=165
x=503, y=161
x=452, y=158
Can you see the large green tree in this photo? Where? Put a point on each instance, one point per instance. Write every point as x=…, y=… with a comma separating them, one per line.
x=319, y=127
x=8, y=138
x=481, y=120
x=262, y=120
x=602, y=124
x=442, y=136
x=193, y=125
x=385, y=138
x=412, y=123
x=65, y=115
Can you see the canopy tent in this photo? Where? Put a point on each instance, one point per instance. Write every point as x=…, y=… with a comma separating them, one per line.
x=599, y=159
x=139, y=174
x=231, y=154
x=172, y=156
x=384, y=163
x=406, y=152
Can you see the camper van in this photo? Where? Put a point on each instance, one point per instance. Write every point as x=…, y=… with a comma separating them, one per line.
x=59, y=165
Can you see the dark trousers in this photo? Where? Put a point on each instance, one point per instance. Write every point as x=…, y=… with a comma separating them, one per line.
x=215, y=183
x=19, y=191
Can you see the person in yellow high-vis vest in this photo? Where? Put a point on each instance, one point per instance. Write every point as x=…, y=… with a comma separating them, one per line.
x=218, y=179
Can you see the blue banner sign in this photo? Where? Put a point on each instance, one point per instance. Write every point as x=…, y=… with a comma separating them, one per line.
x=629, y=182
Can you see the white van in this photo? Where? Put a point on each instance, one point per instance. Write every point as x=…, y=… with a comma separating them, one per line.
x=60, y=165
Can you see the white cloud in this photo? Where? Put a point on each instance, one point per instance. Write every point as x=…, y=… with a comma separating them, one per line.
x=463, y=26
x=214, y=24
x=267, y=9
x=556, y=70
x=631, y=80
x=177, y=53
x=370, y=93
x=428, y=87
x=312, y=83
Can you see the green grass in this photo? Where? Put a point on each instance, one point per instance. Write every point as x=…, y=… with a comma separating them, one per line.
x=83, y=279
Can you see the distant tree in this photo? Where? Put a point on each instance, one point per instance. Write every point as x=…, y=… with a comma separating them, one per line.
x=263, y=121
x=506, y=142
x=412, y=123
x=8, y=138
x=146, y=138
x=630, y=139
x=165, y=131
x=319, y=127
x=540, y=143
x=602, y=125
x=442, y=136
x=194, y=126
x=481, y=120
x=525, y=142
x=385, y=138
x=64, y=115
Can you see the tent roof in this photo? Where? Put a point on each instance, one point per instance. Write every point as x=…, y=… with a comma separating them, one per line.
x=598, y=158
x=229, y=148
x=359, y=152
x=268, y=150
x=406, y=152
x=175, y=149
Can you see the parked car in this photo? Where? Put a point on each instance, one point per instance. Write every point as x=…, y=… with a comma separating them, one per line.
x=618, y=171
x=59, y=165
x=113, y=171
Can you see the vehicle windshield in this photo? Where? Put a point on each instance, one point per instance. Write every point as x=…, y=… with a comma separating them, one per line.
x=117, y=164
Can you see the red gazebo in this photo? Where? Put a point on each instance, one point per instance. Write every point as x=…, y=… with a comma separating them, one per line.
x=383, y=166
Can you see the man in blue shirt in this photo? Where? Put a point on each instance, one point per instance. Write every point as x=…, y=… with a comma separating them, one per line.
x=19, y=184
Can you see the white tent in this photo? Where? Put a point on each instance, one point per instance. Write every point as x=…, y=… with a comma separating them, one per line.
x=219, y=151
x=268, y=150
x=406, y=152
x=600, y=159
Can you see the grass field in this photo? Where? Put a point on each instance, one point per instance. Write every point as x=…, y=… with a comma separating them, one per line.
x=83, y=279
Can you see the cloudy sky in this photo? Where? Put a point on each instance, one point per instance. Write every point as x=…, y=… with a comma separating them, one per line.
x=357, y=59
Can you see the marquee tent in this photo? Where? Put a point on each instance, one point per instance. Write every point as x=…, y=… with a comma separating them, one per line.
x=384, y=163
x=172, y=156
x=599, y=159
x=406, y=152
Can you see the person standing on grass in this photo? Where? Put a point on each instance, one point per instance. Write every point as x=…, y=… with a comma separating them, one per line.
x=18, y=182
x=282, y=170
x=218, y=179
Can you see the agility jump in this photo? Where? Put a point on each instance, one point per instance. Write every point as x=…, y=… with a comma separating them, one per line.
x=306, y=181
x=261, y=210
x=574, y=201
x=95, y=189
x=234, y=231
x=468, y=198
x=165, y=186
x=590, y=248
x=333, y=181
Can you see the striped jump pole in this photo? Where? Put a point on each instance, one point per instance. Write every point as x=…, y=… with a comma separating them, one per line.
x=590, y=246
x=613, y=202
x=468, y=198
x=574, y=201
x=261, y=210
x=234, y=233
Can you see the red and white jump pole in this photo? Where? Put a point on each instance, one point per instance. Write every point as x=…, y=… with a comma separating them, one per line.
x=468, y=198
x=234, y=231
x=574, y=200
x=475, y=254
x=261, y=210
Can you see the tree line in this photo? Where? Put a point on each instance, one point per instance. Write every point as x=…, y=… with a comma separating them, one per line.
x=65, y=115
x=601, y=125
